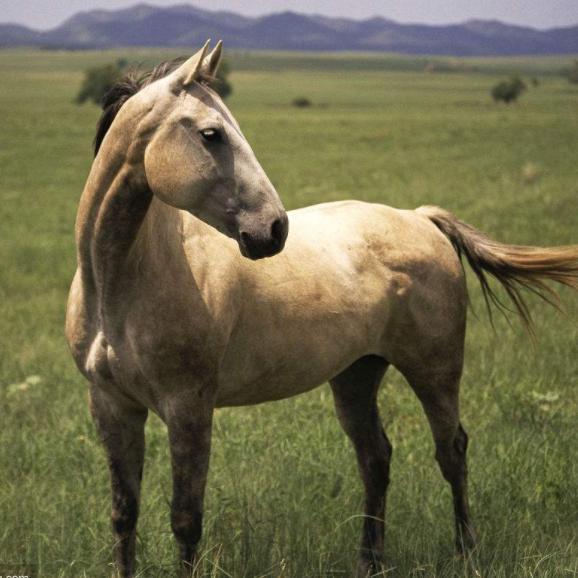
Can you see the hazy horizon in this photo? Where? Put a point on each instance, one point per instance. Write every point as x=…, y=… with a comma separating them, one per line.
x=45, y=14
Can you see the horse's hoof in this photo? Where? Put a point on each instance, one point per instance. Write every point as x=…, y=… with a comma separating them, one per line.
x=466, y=541
x=369, y=568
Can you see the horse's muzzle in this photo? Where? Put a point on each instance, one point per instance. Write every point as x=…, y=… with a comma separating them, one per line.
x=257, y=245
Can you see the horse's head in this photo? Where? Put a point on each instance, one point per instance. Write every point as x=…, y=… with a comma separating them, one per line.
x=198, y=160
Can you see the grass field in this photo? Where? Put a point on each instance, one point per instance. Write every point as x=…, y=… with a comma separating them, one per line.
x=284, y=499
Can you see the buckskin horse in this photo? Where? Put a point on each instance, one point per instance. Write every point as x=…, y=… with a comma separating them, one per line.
x=174, y=308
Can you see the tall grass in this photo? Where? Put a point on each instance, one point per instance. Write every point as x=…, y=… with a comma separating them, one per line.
x=284, y=498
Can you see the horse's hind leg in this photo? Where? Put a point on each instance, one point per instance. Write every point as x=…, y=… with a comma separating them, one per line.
x=438, y=392
x=355, y=394
x=121, y=429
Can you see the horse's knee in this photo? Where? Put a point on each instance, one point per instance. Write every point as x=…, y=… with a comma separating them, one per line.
x=375, y=466
x=461, y=441
x=386, y=452
x=124, y=516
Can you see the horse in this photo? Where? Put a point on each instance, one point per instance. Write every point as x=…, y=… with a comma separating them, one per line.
x=190, y=294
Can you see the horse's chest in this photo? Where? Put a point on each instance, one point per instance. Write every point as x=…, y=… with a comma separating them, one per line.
x=144, y=352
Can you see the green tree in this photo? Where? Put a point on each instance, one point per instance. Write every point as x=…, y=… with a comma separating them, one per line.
x=508, y=90
x=99, y=80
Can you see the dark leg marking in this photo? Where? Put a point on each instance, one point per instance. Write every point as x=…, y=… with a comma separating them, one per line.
x=439, y=395
x=190, y=442
x=355, y=393
x=121, y=429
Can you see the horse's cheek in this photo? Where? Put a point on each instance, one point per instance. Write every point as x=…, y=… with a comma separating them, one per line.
x=172, y=172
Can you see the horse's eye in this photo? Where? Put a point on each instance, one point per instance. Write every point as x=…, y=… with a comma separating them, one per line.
x=211, y=135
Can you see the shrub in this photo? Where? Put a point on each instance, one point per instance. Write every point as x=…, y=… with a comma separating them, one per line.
x=508, y=90
x=99, y=80
x=572, y=73
x=301, y=102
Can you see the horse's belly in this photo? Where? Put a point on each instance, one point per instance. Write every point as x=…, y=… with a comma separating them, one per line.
x=279, y=382
x=268, y=389
x=292, y=358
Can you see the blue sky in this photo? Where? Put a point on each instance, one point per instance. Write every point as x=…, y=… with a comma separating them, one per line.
x=536, y=13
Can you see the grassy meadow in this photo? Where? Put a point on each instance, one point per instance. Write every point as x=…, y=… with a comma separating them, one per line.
x=284, y=499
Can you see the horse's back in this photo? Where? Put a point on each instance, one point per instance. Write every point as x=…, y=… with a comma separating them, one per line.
x=353, y=279
x=368, y=234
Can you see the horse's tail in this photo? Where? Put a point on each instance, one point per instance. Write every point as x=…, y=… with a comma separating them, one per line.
x=514, y=266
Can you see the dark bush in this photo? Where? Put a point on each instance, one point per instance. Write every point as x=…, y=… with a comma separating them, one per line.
x=508, y=90
x=99, y=80
x=301, y=102
x=572, y=73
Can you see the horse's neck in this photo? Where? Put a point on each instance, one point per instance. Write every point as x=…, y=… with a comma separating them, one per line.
x=118, y=222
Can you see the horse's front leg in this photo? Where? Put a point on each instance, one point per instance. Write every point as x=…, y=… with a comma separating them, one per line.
x=121, y=429
x=189, y=419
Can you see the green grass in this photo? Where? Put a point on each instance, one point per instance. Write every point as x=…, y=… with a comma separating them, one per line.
x=283, y=496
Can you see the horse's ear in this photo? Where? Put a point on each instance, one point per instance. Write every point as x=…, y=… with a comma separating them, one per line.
x=212, y=60
x=189, y=71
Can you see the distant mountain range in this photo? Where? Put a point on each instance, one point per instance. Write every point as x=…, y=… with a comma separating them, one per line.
x=185, y=25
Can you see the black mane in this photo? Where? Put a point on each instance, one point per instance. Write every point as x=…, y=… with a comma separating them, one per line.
x=128, y=86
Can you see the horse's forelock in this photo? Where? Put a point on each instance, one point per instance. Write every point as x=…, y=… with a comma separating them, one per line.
x=129, y=85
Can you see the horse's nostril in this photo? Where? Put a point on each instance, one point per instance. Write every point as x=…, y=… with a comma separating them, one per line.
x=278, y=231
x=246, y=238
x=246, y=242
